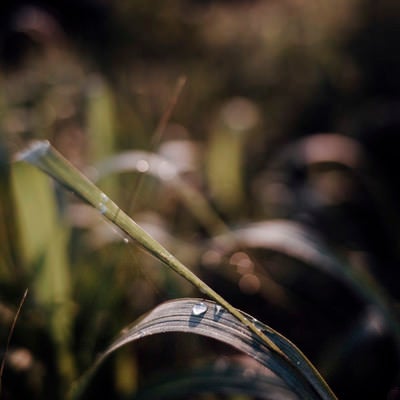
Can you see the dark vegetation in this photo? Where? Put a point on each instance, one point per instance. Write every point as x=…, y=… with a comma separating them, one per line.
x=282, y=112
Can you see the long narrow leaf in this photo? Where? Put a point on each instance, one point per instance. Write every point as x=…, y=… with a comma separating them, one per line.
x=208, y=319
x=44, y=241
x=45, y=157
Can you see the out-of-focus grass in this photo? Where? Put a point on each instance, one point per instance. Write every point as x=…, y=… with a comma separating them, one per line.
x=280, y=355
x=304, y=67
x=43, y=237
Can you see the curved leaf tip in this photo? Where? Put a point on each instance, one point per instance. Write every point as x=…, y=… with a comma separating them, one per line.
x=209, y=319
x=34, y=152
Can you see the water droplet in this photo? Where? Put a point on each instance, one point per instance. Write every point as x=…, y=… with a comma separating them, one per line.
x=102, y=208
x=102, y=205
x=218, y=310
x=257, y=324
x=199, y=308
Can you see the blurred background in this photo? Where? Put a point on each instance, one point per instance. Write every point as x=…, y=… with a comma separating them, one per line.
x=282, y=113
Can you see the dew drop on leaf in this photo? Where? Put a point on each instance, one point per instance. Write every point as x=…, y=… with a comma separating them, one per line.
x=102, y=205
x=102, y=208
x=104, y=197
x=199, y=308
x=257, y=323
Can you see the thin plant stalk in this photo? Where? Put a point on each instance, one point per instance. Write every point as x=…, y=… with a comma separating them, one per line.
x=42, y=155
x=12, y=328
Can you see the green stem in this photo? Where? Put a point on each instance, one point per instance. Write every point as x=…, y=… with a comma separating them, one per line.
x=42, y=155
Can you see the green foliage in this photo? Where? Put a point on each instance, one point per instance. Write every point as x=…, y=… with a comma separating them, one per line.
x=43, y=156
x=297, y=229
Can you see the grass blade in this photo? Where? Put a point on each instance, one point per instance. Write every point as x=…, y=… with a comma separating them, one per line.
x=208, y=319
x=44, y=251
x=12, y=328
x=44, y=156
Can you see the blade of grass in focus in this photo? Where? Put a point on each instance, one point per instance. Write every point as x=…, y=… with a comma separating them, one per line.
x=208, y=319
x=44, y=156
